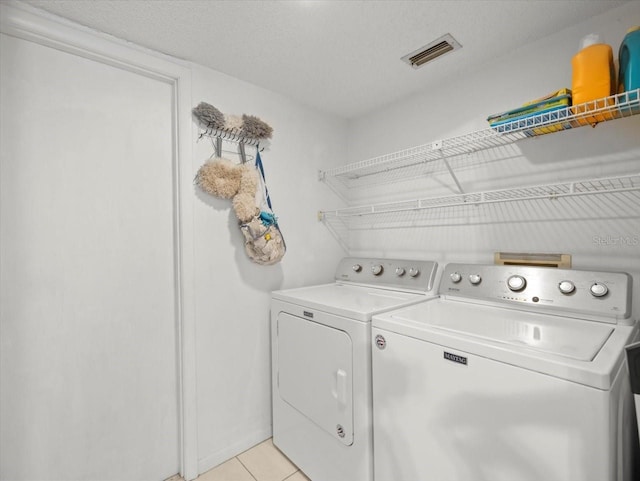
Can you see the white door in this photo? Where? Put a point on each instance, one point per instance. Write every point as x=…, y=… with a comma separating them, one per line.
x=88, y=375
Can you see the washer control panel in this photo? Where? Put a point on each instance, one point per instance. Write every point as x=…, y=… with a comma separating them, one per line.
x=415, y=275
x=591, y=293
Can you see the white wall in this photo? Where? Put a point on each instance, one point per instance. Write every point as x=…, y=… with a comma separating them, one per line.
x=461, y=107
x=232, y=293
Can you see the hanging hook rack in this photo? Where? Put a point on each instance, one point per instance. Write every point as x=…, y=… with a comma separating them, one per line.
x=215, y=125
x=233, y=135
x=218, y=135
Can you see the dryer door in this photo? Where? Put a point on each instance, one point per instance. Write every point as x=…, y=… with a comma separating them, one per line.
x=315, y=373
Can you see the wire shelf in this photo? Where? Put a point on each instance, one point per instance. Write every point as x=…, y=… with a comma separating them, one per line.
x=590, y=113
x=619, y=194
x=607, y=185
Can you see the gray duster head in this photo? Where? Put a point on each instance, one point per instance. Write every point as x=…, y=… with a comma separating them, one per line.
x=255, y=128
x=208, y=115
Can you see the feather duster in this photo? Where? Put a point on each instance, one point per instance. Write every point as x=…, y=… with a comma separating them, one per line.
x=245, y=207
x=255, y=128
x=232, y=123
x=219, y=177
x=248, y=179
x=244, y=203
x=208, y=115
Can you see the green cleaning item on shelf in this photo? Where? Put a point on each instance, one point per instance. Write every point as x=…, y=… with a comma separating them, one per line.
x=549, y=105
x=555, y=100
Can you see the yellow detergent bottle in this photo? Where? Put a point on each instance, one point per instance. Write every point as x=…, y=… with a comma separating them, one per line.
x=593, y=78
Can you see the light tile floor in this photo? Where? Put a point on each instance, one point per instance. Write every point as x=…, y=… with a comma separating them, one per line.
x=263, y=462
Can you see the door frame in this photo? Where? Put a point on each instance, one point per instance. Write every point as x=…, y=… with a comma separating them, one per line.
x=27, y=23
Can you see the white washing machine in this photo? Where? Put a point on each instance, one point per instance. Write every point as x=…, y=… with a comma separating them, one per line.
x=513, y=374
x=321, y=363
x=633, y=360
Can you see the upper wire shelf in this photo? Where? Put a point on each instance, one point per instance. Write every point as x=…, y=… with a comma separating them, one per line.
x=590, y=113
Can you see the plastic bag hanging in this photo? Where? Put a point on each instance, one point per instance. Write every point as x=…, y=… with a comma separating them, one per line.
x=264, y=243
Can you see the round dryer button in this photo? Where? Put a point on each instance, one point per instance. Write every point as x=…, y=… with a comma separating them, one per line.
x=516, y=283
x=475, y=279
x=357, y=267
x=400, y=271
x=414, y=271
x=598, y=290
x=455, y=277
x=566, y=287
x=376, y=270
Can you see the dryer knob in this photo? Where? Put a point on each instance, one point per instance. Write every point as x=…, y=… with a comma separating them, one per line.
x=598, y=290
x=475, y=279
x=357, y=267
x=566, y=287
x=400, y=271
x=516, y=283
x=414, y=271
x=377, y=269
x=455, y=277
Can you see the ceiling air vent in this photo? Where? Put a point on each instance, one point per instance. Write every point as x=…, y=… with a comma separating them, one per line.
x=432, y=51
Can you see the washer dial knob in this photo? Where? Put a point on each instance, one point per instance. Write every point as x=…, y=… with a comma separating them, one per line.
x=516, y=283
x=356, y=267
x=475, y=279
x=414, y=271
x=400, y=271
x=455, y=277
x=377, y=269
x=598, y=290
x=566, y=287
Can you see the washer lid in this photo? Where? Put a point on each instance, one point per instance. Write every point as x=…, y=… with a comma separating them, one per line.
x=582, y=351
x=571, y=338
x=352, y=301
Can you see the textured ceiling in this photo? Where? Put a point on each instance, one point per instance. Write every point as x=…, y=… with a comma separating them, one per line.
x=342, y=57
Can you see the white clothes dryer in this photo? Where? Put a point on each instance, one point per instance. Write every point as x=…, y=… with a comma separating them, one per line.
x=513, y=374
x=321, y=363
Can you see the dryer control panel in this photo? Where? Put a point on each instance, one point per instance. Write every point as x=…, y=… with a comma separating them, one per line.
x=603, y=296
x=401, y=274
